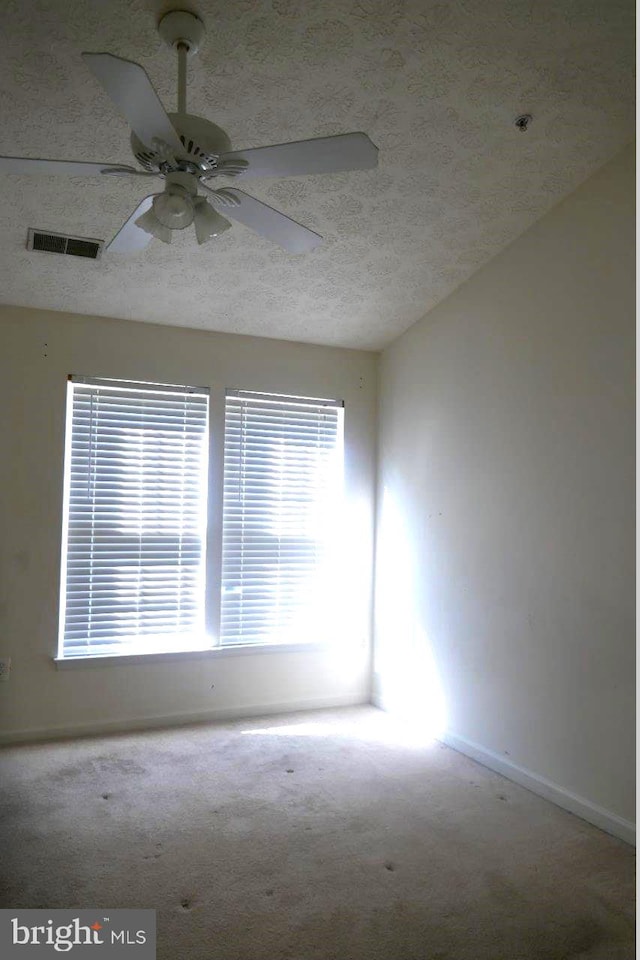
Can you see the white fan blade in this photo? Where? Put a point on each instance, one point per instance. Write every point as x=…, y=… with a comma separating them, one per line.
x=132, y=92
x=129, y=238
x=269, y=223
x=71, y=168
x=349, y=151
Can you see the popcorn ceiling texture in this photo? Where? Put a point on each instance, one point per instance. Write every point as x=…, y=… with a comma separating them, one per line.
x=435, y=85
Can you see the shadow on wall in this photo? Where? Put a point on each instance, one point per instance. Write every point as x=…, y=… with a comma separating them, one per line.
x=406, y=678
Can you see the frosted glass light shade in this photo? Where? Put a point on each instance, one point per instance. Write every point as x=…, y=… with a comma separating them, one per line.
x=150, y=224
x=208, y=222
x=174, y=208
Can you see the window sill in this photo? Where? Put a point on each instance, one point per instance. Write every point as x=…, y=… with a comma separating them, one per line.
x=210, y=653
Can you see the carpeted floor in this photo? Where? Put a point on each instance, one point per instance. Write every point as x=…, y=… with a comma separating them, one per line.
x=322, y=836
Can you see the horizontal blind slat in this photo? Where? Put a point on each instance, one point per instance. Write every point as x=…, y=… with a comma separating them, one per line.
x=281, y=471
x=135, y=514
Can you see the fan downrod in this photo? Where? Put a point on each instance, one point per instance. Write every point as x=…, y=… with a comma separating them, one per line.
x=183, y=32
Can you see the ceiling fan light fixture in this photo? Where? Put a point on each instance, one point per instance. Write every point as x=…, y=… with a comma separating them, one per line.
x=174, y=208
x=208, y=222
x=186, y=150
x=150, y=224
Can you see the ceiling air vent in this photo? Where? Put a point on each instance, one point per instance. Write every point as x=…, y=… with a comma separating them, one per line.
x=61, y=243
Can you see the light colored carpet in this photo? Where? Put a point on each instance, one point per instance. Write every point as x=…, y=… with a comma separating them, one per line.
x=320, y=836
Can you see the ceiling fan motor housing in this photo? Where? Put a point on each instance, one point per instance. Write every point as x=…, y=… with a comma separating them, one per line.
x=202, y=140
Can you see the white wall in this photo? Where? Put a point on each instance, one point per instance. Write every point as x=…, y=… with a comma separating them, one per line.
x=38, y=349
x=505, y=557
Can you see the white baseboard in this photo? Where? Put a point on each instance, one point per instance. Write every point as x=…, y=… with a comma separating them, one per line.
x=181, y=719
x=599, y=816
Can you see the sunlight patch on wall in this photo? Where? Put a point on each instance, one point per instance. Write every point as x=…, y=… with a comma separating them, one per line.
x=406, y=673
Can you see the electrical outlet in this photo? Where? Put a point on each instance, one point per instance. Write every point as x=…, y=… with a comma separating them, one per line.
x=5, y=668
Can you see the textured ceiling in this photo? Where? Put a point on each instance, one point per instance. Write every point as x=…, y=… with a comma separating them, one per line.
x=435, y=85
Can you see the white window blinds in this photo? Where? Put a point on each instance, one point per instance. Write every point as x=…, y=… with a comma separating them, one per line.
x=135, y=516
x=282, y=486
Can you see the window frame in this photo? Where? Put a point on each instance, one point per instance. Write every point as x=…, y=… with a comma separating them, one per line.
x=264, y=437
x=212, y=545
x=122, y=654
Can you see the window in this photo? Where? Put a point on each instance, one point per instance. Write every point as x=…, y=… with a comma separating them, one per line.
x=282, y=488
x=135, y=518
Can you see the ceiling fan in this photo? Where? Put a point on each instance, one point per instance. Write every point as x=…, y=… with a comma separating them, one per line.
x=188, y=151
